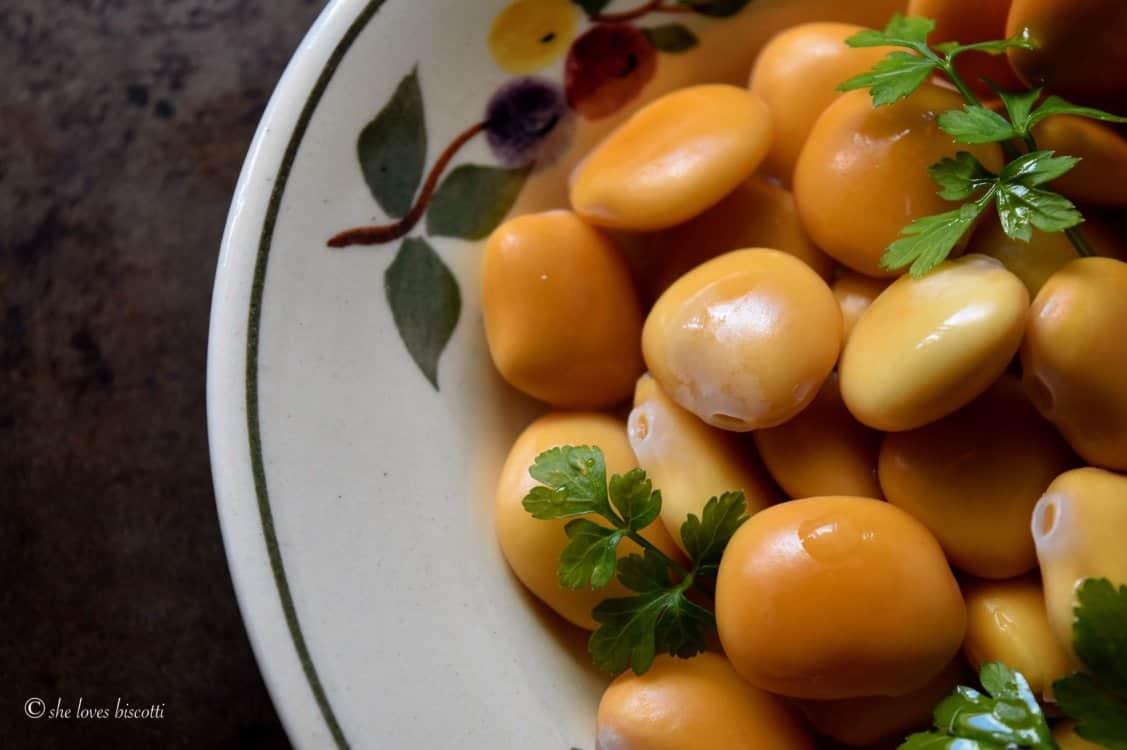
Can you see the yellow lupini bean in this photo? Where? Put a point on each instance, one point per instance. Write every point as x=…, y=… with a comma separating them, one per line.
x=862, y=175
x=823, y=450
x=1007, y=622
x=695, y=704
x=1101, y=176
x=864, y=722
x=973, y=478
x=950, y=334
x=855, y=294
x=673, y=159
x=688, y=460
x=797, y=74
x=1073, y=356
x=1078, y=529
x=745, y=340
x=531, y=546
x=1046, y=252
x=544, y=277
x=758, y=213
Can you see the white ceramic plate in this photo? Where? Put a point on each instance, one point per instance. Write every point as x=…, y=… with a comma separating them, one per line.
x=354, y=493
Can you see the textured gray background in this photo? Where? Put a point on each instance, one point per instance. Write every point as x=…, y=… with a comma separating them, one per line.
x=123, y=125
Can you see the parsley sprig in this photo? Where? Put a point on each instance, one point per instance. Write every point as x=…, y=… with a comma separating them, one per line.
x=659, y=617
x=1007, y=716
x=1017, y=192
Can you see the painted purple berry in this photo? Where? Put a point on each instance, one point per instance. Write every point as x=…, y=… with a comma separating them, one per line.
x=528, y=121
x=607, y=67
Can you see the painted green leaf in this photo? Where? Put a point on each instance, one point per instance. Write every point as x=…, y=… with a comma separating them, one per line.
x=473, y=200
x=592, y=7
x=425, y=303
x=672, y=38
x=717, y=8
x=393, y=149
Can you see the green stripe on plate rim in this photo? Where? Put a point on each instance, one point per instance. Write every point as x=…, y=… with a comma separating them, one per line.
x=254, y=320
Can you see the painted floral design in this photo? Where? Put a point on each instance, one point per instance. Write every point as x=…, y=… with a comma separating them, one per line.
x=528, y=122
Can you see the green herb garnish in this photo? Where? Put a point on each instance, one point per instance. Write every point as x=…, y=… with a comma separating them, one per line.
x=659, y=617
x=1007, y=716
x=1022, y=204
x=1097, y=699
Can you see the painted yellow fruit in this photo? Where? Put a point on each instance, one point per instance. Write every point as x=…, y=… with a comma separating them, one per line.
x=928, y=346
x=673, y=159
x=695, y=704
x=745, y=340
x=690, y=461
x=837, y=597
x=531, y=546
x=531, y=34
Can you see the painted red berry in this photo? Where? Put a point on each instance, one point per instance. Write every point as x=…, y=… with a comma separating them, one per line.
x=607, y=67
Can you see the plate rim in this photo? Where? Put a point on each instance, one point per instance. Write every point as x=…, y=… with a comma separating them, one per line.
x=236, y=308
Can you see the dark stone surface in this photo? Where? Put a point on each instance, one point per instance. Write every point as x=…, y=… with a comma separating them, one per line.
x=123, y=125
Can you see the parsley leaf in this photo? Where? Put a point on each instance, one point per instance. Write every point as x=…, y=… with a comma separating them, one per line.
x=1019, y=105
x=590, y=555
x=706, y=537
x=1021, y=207
x=901, y=31
x=1036, y=168
x=992, y=47
x=961, y=177
x=892, y=78
x=927, y=241
x=633, y=629
x=643, y=573
x=634, y=497
x=1098, y=701
x=1006, y=716
x=1054, y=105
x=576, y=483
x=976, y=124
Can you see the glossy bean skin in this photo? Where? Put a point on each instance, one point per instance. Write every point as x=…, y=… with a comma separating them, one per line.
x=758, y=213
x=1046, y=252
x=532, y=547
x=973, y=478
x=967, y=22
x=855, y=293
x=1007, y=622
x=690, y=461
x=862, y=175
x=673, y=159
x=816, y=55
x=1100, y=178
x=1073, y=357
x=544, y=277
x=864, y=722
x=694, y=704
x=951, y=334
x=823, y=450
x=834, y=598
x=1078, y=529
x=1080, y=53
x=745, y=340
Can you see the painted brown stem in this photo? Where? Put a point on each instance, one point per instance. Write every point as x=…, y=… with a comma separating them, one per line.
x=654, y=6
x=379, y=234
